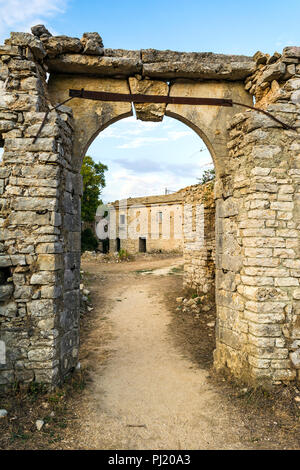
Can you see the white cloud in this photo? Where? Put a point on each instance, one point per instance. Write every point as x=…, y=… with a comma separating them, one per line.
x=141, y=142
x=19, y=15
x=146, y=157
x=130, y=127
x=122, y=184
x=175, y=135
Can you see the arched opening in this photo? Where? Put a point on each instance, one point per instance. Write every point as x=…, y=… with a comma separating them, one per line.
x=210, y=123
x=257, y=203
x=158, y=160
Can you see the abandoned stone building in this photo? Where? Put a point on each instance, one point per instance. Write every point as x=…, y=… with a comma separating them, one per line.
x=147, y=224
x=256, y=193
x=182, y=222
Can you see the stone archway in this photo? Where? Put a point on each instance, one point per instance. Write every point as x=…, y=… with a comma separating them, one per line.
x=257, y=198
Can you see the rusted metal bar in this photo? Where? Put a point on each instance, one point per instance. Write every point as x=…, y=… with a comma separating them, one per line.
x=286, y=126
x=45, y=118
x=136, y=98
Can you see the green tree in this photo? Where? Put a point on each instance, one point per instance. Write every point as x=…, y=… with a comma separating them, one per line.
x=88, y=240
x=93, y=183
x=208, y=175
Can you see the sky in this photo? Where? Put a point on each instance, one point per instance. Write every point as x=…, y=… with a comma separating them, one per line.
x=145, y=158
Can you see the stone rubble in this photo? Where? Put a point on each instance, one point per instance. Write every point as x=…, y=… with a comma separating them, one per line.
x=39, y=424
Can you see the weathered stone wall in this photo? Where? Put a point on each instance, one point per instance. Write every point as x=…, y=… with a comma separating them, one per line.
x=199, y=249
x=141, y=219
x=39, y=225
x=257, y=216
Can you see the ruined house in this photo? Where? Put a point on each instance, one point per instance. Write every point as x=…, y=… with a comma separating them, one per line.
x=147, y=224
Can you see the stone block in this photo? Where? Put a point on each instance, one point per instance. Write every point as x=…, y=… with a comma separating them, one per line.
x=149, y=111
x=49, y=262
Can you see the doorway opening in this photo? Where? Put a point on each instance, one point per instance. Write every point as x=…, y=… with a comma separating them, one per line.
x=142, y=245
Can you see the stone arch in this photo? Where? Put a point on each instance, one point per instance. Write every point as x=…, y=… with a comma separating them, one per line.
x=209, y=122
x=256, y=193
x=90, y=117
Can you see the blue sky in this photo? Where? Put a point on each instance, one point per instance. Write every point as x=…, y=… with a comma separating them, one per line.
x=145, y=158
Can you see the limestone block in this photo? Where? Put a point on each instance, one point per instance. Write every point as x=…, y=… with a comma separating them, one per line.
x=93, y=65
x=6, y=377
x=35, y=203
x=91, y=42
x=172, y=64
x=23, y=292
x=265, y=307
x=49, y=248
x=51, y=292
x=6, y=291
x=92, y=48
x=27, y=39
x=272, y=72
x=8, y=50
x=283, y=374
x=55, y=45
x=40, y=30
x=295, y=358
x=41, y=354
x=46, y=324
x=41, y=308
x=149, y=111
x=8, y=310
x=5, y=260
x=24, y=376
x=43, y=277
x=291, y=51
x=50, y=262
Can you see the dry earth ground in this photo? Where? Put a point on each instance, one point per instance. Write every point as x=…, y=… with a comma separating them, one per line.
x=149, y=383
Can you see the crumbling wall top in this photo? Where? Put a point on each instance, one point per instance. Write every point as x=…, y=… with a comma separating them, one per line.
x=63, y=54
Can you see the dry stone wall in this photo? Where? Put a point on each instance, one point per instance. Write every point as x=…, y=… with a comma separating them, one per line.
x=199, y=248
x=256, y=194
x=157, y=219
x=39, y=224
x=257, y=233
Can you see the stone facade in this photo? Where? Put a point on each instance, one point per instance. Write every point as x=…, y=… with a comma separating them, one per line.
x=199, y=248
x=256, y=191
x=257, y=233
x=155, y=219
x=39, y=224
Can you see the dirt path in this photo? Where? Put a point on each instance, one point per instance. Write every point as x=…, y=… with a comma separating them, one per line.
x=144, y=393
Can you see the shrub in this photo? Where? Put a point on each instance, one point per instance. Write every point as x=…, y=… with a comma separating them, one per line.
x=88, y=240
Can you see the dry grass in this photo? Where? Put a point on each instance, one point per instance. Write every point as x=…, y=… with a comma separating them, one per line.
x=18, y=430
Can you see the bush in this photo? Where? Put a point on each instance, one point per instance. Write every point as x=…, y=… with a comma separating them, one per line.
x=88, y=241
x=123, y=254
x=208, y=175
